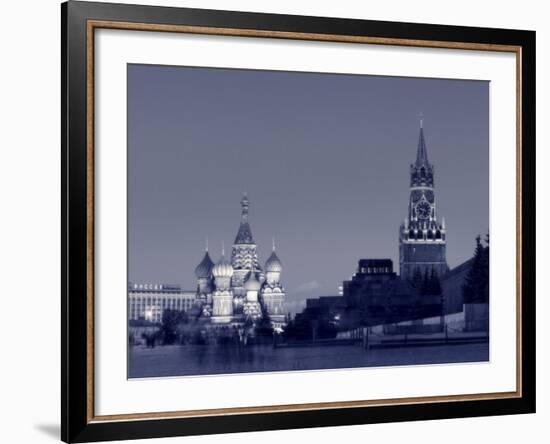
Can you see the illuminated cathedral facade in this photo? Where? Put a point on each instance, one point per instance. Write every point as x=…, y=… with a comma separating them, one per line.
x=237, y=290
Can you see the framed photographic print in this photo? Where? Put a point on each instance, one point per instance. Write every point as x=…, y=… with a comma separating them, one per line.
x=276, y=221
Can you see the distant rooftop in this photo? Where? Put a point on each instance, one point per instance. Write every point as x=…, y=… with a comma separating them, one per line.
x=375, y=266
x=149, y=287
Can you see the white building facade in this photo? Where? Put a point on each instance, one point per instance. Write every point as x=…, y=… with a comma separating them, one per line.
x=148, y=301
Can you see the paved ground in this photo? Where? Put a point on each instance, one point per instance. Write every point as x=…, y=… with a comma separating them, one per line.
x=205, y=360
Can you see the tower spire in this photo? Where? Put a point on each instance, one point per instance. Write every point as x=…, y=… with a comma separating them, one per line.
x=273, y=243
x=421, y=227
x=421, y=153
x=206, y=244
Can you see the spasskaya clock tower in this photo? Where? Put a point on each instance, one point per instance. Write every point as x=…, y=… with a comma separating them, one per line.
x=422, y=237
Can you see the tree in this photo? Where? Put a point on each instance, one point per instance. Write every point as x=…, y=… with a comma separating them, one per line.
x=171, y=319
x=476, y=285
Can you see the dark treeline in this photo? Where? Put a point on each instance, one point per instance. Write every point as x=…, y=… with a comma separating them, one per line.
x=476, y=287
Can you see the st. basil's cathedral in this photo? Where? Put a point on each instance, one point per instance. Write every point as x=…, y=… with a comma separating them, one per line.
x=235, y=290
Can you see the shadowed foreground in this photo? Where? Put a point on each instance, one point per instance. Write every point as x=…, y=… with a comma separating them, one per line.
x=186, y=360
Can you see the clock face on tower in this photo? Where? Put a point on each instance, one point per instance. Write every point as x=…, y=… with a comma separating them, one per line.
x=423, y=210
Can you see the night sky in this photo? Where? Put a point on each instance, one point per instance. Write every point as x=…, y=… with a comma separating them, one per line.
x=324, y=159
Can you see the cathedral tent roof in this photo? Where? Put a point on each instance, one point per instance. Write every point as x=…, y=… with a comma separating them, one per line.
x=244, y=235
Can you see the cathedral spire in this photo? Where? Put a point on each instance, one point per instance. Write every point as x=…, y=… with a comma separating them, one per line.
x=244, y=207
x=244, y=235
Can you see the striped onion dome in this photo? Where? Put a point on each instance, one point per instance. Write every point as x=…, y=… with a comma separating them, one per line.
x=204, y=269
x=273, y=264
x=223, y=268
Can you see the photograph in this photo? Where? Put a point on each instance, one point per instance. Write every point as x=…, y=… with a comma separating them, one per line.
x=283, y=221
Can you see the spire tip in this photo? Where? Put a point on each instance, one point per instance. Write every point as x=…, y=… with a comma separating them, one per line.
x=244, y=207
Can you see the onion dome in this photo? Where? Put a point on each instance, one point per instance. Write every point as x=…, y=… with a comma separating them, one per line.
x=222, y=269
x=252, y=284
x=273, y=264
x=204, y=269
